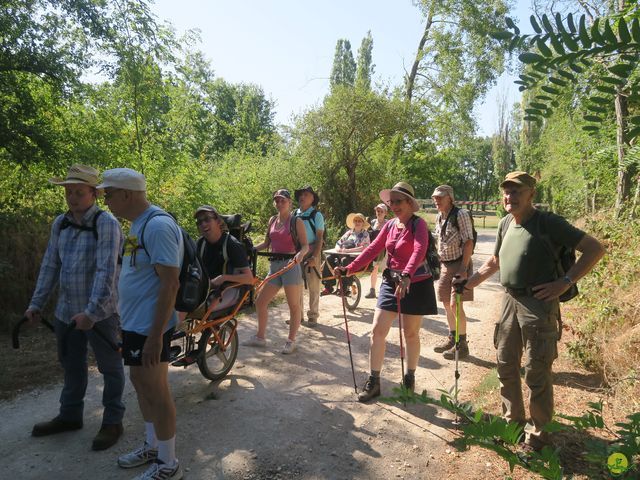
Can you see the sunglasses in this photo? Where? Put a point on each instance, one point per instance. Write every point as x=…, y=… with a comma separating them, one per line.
x=201, y=220
x=396, y=201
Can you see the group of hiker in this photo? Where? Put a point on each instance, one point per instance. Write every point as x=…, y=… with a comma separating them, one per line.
x=108, y=283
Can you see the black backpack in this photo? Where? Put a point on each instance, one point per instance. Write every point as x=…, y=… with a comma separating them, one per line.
x=194, y=283
x=453, y=216
x=431, y=257
x=564, y=257
x=66, y=223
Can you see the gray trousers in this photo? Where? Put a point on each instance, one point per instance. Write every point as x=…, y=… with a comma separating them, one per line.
x=527, y=326
x=75, y=365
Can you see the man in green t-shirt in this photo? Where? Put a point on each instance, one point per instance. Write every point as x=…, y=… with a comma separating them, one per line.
x=530, y=310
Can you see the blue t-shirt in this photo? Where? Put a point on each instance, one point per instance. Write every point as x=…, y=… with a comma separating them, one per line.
x=307, y=217
x=139, y=284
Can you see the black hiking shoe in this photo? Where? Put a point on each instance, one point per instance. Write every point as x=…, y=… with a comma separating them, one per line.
x=409, y=382
x=57, y=425
x=463, y=351
x=445, y=345
x=371, y=294
x=370, y=390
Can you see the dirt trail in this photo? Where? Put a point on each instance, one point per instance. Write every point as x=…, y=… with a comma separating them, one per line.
x=278, y=416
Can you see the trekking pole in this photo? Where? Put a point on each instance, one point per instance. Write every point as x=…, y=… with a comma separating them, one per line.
x=401, y=342
x=459, y=288
x=346, y=327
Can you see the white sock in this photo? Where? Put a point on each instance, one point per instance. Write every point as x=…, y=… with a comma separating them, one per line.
x=150, y=433
x=167, y=451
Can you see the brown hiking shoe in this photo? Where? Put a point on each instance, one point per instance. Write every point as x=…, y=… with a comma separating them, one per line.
x=445, y=345
x=463, y=351
x=370, y=391
x=107, y=436
x=409, y=382
x=57, y=425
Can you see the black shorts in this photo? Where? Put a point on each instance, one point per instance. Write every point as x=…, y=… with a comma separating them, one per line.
x=133, y=342
x=421, y=299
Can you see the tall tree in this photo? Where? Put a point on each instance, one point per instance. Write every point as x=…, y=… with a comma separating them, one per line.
x=595, y=64
x=343, y=71
x=365, y=66
x=455, y=64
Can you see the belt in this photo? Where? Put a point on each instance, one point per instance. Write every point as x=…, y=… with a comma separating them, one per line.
x=519, y=292
x=447, y=262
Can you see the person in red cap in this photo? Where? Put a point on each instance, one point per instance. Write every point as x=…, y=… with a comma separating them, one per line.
x=529, y=321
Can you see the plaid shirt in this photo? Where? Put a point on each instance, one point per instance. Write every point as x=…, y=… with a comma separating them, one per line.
x=85, y=270
x=451, y=244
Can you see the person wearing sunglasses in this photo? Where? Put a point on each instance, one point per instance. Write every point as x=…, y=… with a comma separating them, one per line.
x=224, y=258
x=407, y=276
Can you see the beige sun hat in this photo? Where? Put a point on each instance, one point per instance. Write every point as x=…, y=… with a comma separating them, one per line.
x=444, y=191
x=405, y=189
x=124, y=178
x=78, y=174
x=352, y=216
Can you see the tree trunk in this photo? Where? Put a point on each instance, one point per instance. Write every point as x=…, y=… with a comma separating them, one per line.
x=411, y=79
x=624, y=177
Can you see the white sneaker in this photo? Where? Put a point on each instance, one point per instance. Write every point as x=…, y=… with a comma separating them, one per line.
x=289, y=347
x=255, y=341
x=140, y=456
x=160, y=471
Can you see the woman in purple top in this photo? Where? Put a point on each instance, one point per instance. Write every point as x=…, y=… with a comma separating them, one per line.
x=292, y=244
x=407, y=276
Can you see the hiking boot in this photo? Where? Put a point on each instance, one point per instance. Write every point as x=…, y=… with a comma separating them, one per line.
x=371, y=294
x=255, y=341
x=326, y=291
x=445, y=345
x=289, y=347
x=57, y=425
x=160, y=471
x=463, y=351
x=370, y=390
x=409, y=382
x=140, y=456
x=107, y=436
x=311, y=323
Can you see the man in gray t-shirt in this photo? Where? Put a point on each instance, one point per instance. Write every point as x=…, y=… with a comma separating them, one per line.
x=530, y=310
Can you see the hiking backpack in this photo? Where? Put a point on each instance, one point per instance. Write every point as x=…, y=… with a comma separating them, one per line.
x=431, y=257
x=453, y=215
x=564, y=257
x=194, y=283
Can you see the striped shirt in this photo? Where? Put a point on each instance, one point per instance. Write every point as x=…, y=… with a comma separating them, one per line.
x=451, y=243
x=84, y=269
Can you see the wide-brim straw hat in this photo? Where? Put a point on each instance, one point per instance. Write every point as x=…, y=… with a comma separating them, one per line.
x=352, y=216
x=78, y=174
x=405, y=189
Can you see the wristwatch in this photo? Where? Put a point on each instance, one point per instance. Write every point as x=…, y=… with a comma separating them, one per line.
x=566, y=279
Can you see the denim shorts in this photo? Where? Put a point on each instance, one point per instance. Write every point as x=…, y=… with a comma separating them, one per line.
x=292, y=277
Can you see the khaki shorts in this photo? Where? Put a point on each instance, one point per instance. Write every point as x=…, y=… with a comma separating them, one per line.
x=445, y=288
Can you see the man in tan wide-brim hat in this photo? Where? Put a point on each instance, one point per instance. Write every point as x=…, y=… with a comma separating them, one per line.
x=82, y=257
x=78, y=175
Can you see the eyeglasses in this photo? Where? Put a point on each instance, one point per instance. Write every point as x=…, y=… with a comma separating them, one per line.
x=396, y=201
x=200, y=221
x=109, y=194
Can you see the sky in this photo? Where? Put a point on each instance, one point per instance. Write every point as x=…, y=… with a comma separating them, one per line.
x=287, y=46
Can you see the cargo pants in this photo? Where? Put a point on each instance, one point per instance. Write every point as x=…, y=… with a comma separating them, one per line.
x=527, y=326
x=313, y=287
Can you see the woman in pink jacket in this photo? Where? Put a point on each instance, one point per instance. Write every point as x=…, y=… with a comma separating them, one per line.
x=407, y=276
